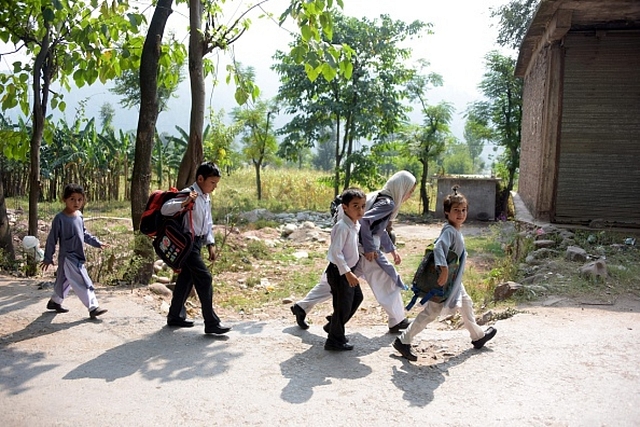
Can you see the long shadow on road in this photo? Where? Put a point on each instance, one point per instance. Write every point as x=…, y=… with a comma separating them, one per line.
x=162, y=355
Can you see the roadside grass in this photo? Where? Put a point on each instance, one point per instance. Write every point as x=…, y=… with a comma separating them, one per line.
x=249, y=274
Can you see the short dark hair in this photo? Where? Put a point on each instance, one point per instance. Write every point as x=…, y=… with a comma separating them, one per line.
x=453, y=199
x=70, y=189
x=352, y=193
x=208, y=169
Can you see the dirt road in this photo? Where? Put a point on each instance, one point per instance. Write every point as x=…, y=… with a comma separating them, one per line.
x=559, y=364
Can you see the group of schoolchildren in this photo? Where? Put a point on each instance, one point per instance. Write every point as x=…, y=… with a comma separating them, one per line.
x=360, y=239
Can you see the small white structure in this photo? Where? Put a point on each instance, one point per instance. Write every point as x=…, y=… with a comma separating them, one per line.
x=480, y=192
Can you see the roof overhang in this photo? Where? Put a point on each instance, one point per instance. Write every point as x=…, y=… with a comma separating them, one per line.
x=554, y=18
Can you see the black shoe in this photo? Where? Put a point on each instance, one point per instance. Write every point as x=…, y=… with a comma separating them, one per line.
x=57, y=307
x=405, y=350
x=331, y=346
x=217, y=329
x=179, y=323
x=300, y=316
x=400, y=326
x=97, y=312
x=488, y=334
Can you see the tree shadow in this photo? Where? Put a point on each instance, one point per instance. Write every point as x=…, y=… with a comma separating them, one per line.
x=418, y=382
x=316, y=366
x=18, y=294
x=19, y=367
x=163, y=355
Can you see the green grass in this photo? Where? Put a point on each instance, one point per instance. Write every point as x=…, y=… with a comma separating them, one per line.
x=493, y=258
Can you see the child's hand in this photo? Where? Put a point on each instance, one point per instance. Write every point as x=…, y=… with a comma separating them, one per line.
x=444, y=275
x=105, y=245
x=212, y=253
x=352, y=279
x=397, y=259
x=370, y=256
x=44, y=265
x=190, y=199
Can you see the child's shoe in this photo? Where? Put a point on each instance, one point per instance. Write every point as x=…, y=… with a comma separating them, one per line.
x=400, y=326
x=57, y=307
x=300, y=316
x=405, y=350
x=97, y=312
x=488, y=334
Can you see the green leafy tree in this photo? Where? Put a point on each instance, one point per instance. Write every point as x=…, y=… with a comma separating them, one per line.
x=428, y=141
x=257, y=136
x=219, y=142
x=457, y=160
x=475, y=135
x=515, y=17
x=170, y=75
x=107, y=113
x=500, y=113
x=367, y=105
x=62, y=40
x=324, y=157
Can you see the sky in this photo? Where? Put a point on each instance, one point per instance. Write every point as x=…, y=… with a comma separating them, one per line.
x=463, y=33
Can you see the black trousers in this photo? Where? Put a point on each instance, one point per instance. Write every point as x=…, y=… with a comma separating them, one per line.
x=194, y=273
x=346, y=300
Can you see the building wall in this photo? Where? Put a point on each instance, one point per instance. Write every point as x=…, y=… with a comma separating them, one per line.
x=533, y=102
x=480, y=193
x=542, y=109
x=599, y=161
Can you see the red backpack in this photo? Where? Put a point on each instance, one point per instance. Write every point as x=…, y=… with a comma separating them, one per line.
x=152, y=218
x=170, y=243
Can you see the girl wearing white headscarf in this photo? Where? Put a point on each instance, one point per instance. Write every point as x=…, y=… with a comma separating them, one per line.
x=375, y=241
x=382, y=206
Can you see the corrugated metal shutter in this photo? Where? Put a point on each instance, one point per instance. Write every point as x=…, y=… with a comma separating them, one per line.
x=599, y=164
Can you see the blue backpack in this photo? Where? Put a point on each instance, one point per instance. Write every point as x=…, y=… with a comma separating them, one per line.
x=425, y=281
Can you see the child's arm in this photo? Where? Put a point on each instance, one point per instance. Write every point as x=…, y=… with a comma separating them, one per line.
x=178, y=203
x=440, y=251
x=50, y=246
x=377, y=212
x=89, y=238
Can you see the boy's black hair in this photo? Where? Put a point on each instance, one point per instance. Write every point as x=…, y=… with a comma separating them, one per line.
x=70, y=189
x=454, y=198
x=208, y=169
x=352, y=193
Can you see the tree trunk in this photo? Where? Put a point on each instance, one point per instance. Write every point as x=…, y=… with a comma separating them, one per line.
x=424, y=196
x=40, y=96
x=6, y=242
x=258, y=179
x=141, y=176
x=194, y=154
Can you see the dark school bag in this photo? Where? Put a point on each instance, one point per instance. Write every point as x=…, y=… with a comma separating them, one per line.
x=425, y=281
x=170, y=242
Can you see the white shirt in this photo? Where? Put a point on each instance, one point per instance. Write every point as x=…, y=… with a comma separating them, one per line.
x=343, y=250
x=200, y=215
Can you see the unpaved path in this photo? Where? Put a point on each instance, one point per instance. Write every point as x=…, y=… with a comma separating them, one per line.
x=563, y=364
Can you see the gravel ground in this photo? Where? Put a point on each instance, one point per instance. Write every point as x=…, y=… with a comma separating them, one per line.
x=558, y=363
